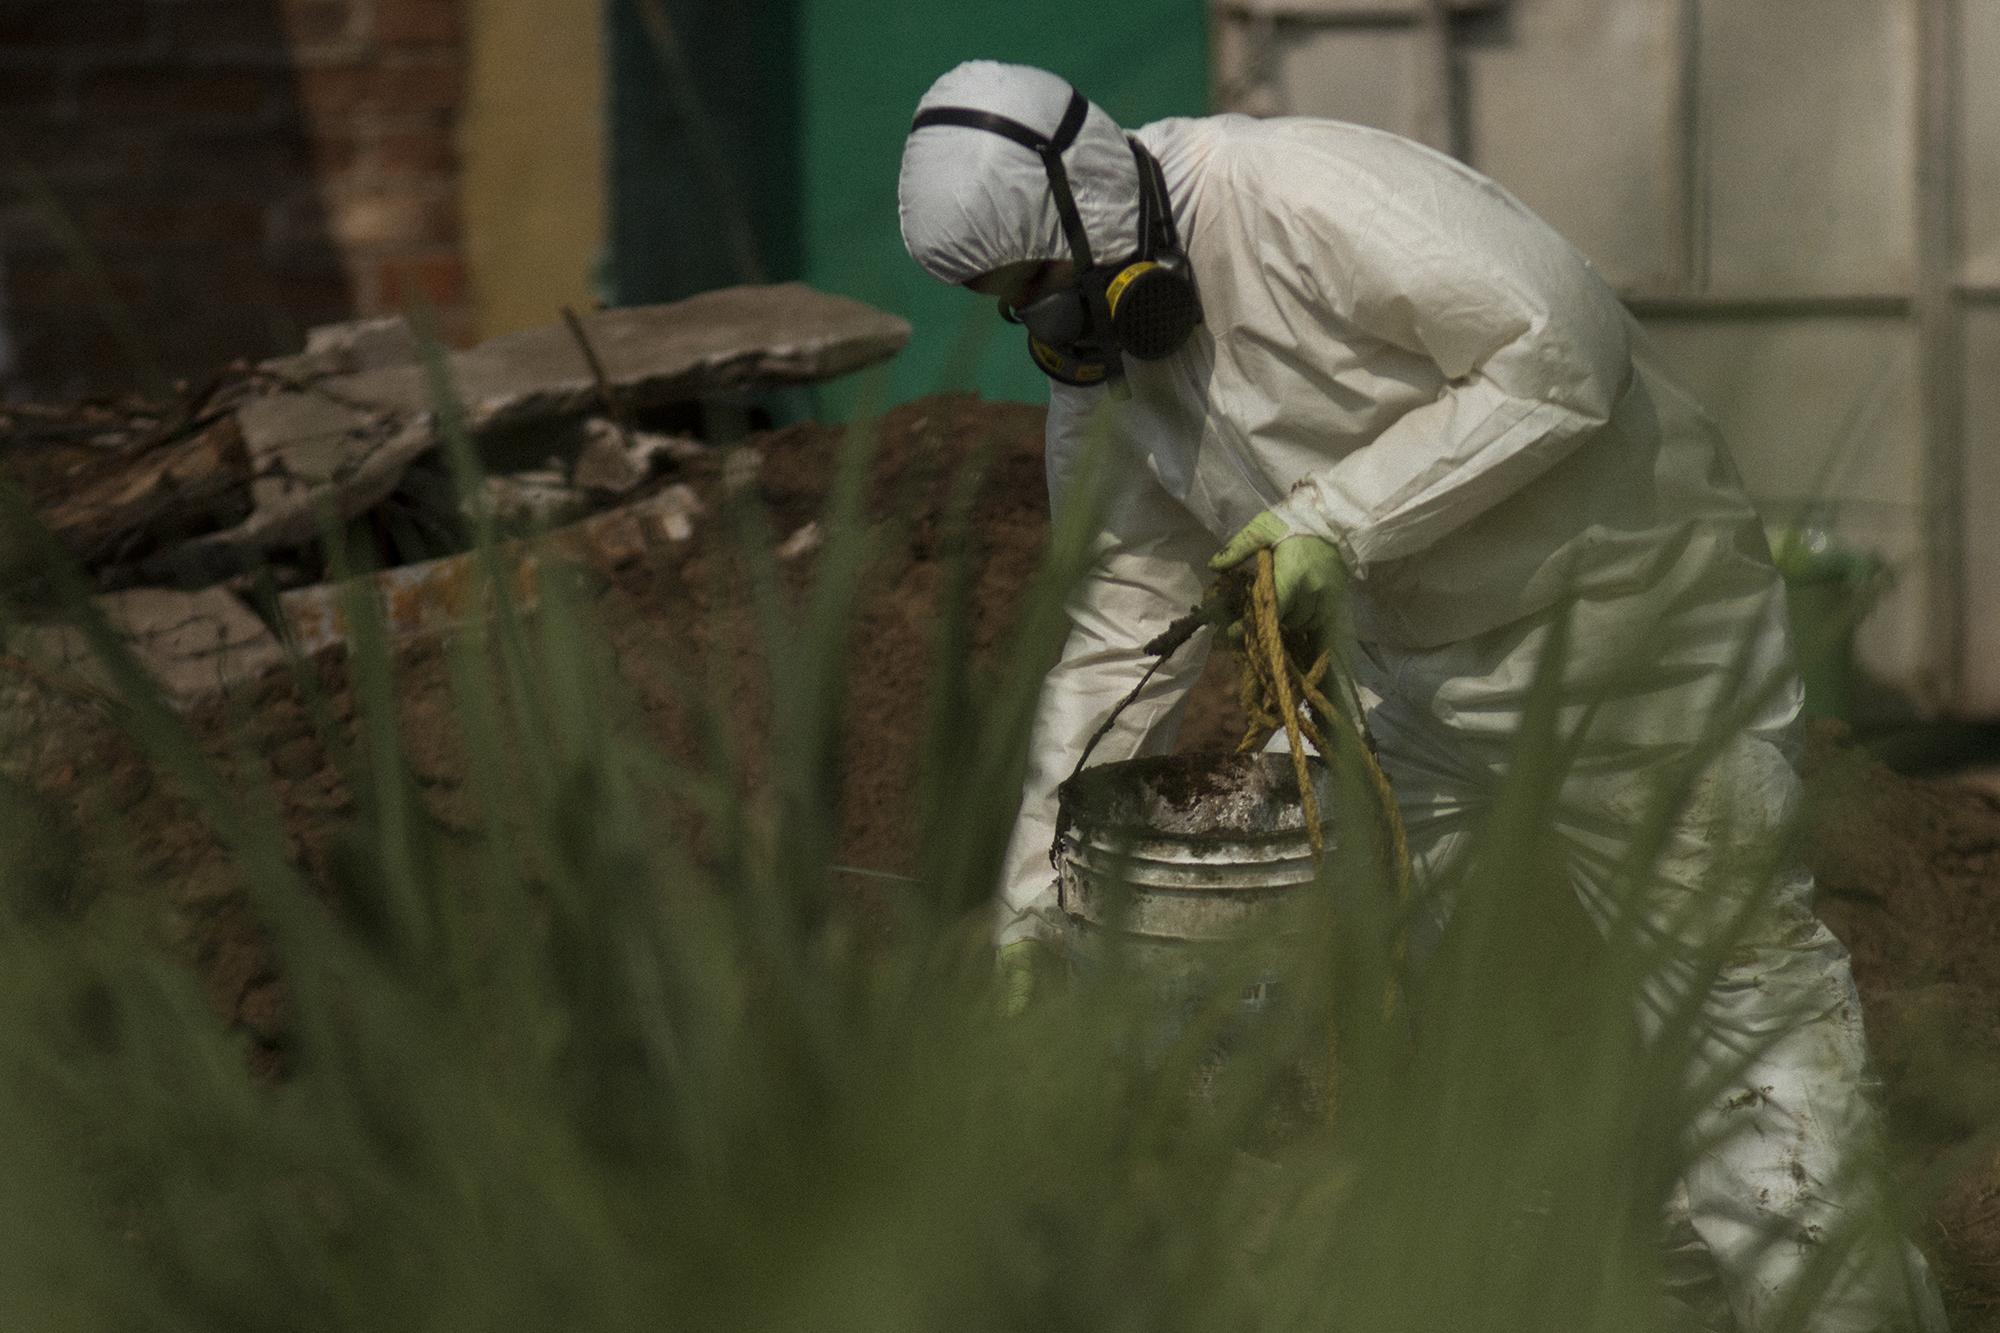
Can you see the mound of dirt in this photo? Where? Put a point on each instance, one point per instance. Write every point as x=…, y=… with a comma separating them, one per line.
x=675, y=617
x=1909, y=877
x=1908, y=868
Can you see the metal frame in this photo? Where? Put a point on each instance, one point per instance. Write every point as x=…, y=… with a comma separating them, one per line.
x=1349, y=14
x=1941, y=342
x=1442, y=117
x=1692, y=146
x=1773, y=305
x=1933, y=307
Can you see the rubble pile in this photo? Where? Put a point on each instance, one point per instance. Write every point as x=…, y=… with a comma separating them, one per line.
x=202, y=521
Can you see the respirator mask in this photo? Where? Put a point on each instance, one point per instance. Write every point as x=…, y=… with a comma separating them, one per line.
x=1144, y=307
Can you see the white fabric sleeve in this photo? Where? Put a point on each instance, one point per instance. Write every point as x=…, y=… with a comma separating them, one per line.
x=1148, y=570
x=1532, y=343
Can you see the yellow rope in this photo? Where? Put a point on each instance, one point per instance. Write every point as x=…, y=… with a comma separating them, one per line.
x=1273, y=687
x=1270, y=646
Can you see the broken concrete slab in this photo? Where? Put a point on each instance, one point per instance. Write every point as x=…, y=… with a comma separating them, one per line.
x=613, y=460
x=196, y=643
x=365, y=344
x=434, y=597
x=339, y=445
x=128, y=504
x=521, y=502
x=348, y=348
x=742, y=466
x=803, y=542
x=621, y=535
x=715, y=343
x=313, y=458
x=192, y=643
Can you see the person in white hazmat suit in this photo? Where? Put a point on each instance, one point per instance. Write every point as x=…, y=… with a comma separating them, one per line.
x=1336, y=343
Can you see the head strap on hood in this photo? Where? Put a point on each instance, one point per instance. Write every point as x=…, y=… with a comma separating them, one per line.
x=1048, y=147
x=971, y=201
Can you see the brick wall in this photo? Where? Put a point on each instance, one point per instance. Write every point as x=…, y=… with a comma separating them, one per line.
x=236, y=169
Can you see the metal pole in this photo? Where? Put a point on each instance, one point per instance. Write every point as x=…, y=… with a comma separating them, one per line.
x=1782, y=305
x=1691, y=156
x=1941, y=350
x=1440, y=119
x=738, y=229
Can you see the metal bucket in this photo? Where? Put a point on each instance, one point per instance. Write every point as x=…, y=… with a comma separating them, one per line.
x=1187, y=870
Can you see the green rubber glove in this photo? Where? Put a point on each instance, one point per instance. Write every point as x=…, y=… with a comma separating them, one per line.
x=1018, y=974
x=1305, y=570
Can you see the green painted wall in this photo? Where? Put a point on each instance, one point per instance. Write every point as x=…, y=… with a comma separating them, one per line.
x=863, y=65
x=703, y=103
x=777, y=157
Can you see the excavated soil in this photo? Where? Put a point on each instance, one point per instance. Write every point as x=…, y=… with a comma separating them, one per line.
x=1909, y=877
x=1909, y=869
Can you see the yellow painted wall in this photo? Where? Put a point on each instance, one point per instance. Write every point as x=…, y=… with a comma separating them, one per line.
x=532, y=135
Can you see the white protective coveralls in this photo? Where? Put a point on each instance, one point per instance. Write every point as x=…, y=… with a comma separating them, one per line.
x=1399, y=358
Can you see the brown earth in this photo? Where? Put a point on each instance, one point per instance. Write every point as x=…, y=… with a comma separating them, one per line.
x=1909, y=877
x=1909, y=869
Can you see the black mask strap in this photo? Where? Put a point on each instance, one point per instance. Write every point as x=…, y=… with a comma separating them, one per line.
x=993, y=123
x=1156, y=215
x=1049, y=148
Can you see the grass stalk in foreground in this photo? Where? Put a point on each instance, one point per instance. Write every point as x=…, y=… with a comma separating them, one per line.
x=623, y=1060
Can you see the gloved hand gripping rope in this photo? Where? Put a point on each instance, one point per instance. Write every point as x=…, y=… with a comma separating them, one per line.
x=1273, y=689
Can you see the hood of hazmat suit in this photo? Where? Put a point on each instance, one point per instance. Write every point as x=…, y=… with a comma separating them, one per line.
x=973, y=201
